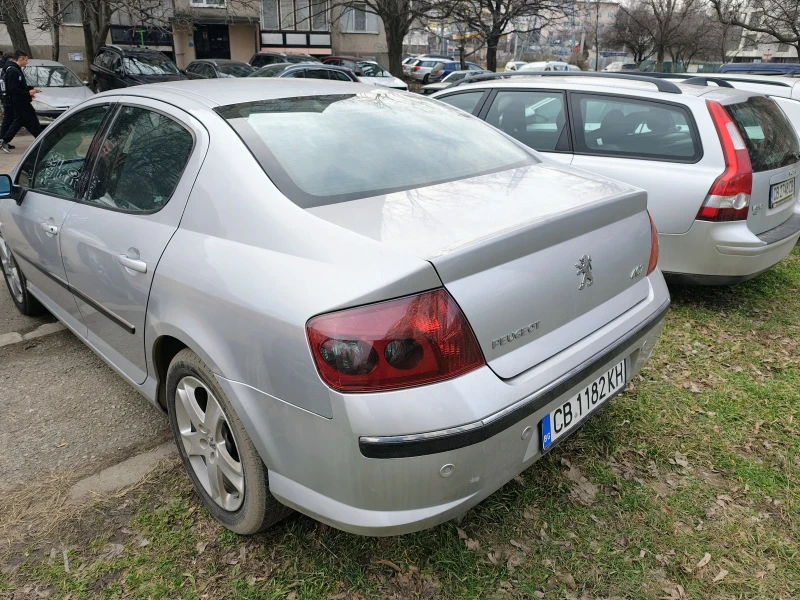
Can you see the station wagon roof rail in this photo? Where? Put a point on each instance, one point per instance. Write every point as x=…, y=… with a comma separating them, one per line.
x=662, y=85
x=721, y=77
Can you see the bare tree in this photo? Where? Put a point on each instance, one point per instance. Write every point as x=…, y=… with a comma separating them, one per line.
x=664, y=23
x=50, y=18
x=14, y=14
x=492, y=19
x=631, y=31
x=777, y=19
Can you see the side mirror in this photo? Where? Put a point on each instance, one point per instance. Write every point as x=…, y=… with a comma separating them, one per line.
x=9, y=190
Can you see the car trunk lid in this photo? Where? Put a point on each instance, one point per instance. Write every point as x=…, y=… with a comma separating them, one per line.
x=774, y=152
x=537, y=257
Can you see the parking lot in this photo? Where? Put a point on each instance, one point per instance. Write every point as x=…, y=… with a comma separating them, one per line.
x=684, y=486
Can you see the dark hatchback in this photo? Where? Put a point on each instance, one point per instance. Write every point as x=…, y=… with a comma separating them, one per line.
x=117, y=67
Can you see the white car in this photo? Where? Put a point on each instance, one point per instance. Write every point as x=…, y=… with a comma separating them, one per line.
x=720, y=165
x=422, y=67
x=61, y=88
x=450, y=79
x=548, y=65
x=407, y=62
x=617, y=66
x=514, y=65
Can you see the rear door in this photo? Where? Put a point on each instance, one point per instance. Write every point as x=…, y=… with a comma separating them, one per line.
x=53, y=173
x=774, y=153
x=112, y=241
x=649, y=144
x=537, y=118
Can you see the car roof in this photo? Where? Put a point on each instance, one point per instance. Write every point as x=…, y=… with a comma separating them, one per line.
x=131, y=49
x=221, y=92
x=40, y=62
x=610, y=85
x=773, y=85
x=220, y=61
x=769, y=67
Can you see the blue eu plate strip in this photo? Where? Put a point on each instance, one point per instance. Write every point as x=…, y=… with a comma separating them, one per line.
x=547, y=435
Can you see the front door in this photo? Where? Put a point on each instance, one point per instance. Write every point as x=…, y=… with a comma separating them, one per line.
x=112, y=241
x=52, y=173
x=212, y=41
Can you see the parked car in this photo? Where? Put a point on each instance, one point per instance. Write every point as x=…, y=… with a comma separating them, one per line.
x=761, y=68
x=719, y=165
x=407, y=62
x=547, y=65
x=421, y=69
x=306, y=71
x=336, y=344
x=262, y=59
x=783, y=89
x=513, y=65
x=117, y=67
x=367, y=71
x=61, y=88
x=216, y=68
x=618, y=66
x=450, y=79
x=443, y=69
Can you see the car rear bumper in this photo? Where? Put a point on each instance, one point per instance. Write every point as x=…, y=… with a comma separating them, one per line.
x=725, y=253
x=394, y=463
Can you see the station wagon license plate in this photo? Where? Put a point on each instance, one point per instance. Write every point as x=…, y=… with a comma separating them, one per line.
x=780, y=193
x=566, y=417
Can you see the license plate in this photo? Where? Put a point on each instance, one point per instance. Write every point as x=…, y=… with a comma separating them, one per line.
x=780, y=193
x=567, y=416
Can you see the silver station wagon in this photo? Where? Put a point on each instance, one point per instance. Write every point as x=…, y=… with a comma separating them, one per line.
x=355, y=302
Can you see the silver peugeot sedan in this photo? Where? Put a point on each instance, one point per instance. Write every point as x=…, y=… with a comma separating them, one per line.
x=351, y=301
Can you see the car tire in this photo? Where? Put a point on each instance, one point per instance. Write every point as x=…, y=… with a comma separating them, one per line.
x=426, y=79
x=242, y=504
x=17, y=283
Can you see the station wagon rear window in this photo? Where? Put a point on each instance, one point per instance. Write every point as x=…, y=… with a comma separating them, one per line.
x=769, y=136
x=322, y=150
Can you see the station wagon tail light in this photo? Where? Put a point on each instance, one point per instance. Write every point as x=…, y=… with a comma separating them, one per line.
x=396, y=344
x=651, y=266
x=729, y=197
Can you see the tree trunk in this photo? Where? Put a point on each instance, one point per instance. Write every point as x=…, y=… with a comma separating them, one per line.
x=660, y=60
x=491, y=51
x=394, y=42
x=55, y=31
x=463, y=59
x=15, y=15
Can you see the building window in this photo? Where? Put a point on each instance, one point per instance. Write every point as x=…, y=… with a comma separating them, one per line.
x=71, y=13
x=294, y=15
x=209, y=3
x=783, y=47
x=358, y=20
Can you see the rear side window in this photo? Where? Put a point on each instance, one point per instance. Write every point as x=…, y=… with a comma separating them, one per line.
x=537, y=119
x=613, y=126
x=140, y=162
x=411, y=142
x=466, y=101
x=770, y=138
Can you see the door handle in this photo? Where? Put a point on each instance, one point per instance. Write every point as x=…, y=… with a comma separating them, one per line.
x=132, y=263
x=51, y=229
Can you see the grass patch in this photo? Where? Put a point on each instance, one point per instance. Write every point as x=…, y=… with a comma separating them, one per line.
x=701, y=456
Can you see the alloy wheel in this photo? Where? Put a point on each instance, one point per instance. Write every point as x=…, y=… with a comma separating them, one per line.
x=209, y=443
x=11, y=271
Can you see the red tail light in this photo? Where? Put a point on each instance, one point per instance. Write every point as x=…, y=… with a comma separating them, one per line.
x=416, y=68
x=729, y=197
x=397, y=344
x=651, y=266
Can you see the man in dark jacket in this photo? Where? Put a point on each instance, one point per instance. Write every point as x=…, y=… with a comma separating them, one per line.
x=8, y=112
x=20, y=96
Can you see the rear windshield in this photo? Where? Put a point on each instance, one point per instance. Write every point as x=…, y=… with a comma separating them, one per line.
x=322, y=150
x=770, y=138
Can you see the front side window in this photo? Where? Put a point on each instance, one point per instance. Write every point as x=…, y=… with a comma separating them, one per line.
x=140, y=162
x=62, y=157
x=609, y=125
x=51, y=77
x=535, y=118
x=411, y=142
x=466, y=101
x=150, y=65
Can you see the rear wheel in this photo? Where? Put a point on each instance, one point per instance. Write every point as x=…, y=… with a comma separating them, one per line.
x=426, y=79
x=223, y=464
x=17, y=284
